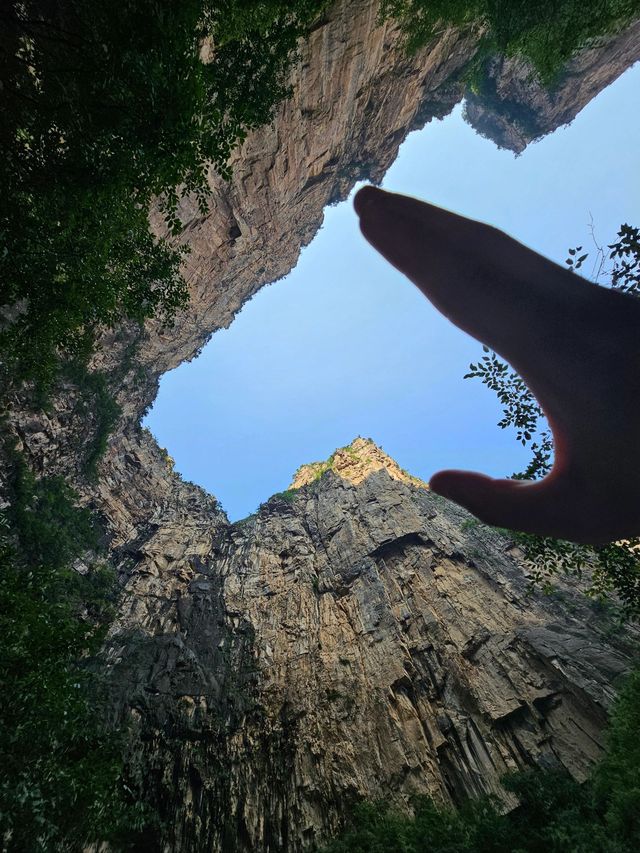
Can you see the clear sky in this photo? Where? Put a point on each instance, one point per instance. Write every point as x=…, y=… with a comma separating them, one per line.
x=346, y=346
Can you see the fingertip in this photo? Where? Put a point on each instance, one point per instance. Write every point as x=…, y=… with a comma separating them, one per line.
x=481, y=495
x=453, y=484
x=366, y=197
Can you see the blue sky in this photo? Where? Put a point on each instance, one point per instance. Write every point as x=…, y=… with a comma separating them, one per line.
x=346, y=346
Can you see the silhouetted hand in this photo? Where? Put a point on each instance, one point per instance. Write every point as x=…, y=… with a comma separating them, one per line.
x=577, y=346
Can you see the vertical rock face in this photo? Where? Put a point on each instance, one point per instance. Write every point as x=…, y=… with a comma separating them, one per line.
x=359, y=636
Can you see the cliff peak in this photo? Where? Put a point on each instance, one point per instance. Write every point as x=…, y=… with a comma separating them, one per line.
x=354, y=462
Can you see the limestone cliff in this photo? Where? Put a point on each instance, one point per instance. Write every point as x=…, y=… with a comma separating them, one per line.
x=359, y=635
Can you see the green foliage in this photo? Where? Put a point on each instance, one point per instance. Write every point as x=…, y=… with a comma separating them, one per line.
x=332, y=694
x=615, y=567
x=546, y=32
x=289, y=495
x=555, y=815
x=520, y=409
x=60, y=783
x=49, y=527
x=106, y=106
x=422, y=21
x=617, y=780
x=321, y=468
x=98, y=408
x=247, y=519
x=375, y=828
x=625, y=252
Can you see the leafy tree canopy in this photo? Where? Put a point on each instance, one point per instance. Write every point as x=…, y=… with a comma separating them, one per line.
x=61, y=783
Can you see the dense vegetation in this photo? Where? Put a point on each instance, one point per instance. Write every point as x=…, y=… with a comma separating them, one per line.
x=106, y=106
x=556, y=814
x=60, y=782
x=615, y=567
x=546, y=32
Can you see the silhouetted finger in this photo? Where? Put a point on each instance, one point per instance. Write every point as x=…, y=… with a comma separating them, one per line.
x=546, y=507
x=488, y=284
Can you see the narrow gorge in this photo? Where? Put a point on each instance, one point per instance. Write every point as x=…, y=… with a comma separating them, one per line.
x=358, y=636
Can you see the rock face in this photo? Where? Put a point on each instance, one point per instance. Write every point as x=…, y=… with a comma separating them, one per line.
x=357, y=636
x=355, y=462
x=513, y=108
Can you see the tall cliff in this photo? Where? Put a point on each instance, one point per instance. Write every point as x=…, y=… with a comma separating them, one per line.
x=358, y=635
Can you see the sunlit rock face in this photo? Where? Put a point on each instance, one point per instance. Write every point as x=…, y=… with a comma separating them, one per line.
x=355, y=463
x=360, y=637
x=357, y=637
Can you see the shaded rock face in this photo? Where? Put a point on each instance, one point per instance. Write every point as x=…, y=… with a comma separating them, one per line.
x=356, y=637
x=512, y=108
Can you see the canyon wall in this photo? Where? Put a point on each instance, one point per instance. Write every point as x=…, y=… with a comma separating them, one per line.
x=359, y=636
x=511, y=107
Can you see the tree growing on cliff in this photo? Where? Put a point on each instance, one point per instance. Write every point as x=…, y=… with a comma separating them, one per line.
x=106, y=106
x=61, y=782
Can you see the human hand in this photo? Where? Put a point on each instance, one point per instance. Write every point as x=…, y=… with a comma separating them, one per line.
x=576, y=345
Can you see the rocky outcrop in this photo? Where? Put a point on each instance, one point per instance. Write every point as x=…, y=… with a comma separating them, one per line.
x=357, y=636
x=355, y=462
x=510, y=106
